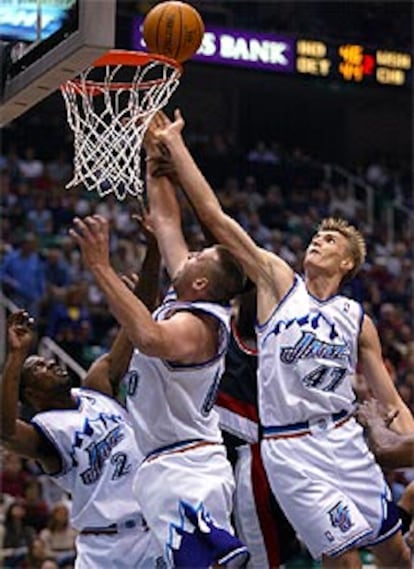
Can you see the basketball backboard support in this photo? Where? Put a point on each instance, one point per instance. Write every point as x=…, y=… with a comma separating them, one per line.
x=42, y=69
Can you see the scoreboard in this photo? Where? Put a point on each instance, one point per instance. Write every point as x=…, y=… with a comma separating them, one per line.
x=344, y=62
x=353, y=62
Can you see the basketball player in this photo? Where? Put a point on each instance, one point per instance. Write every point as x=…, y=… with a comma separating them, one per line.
x=84, y=440
x=185, y=484
x=259, y=521
x=309, y=341
x=392, y=450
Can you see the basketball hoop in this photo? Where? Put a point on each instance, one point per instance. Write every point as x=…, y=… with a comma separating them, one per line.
x=109, y=107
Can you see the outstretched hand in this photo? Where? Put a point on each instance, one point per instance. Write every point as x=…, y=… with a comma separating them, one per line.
x=371, y=411
x=92, y=236
x=164, y=130
x=20, y=332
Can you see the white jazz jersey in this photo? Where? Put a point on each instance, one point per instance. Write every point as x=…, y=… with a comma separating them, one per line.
x=170, y=403
x=338, y=498
x=99, y=458
x=308, y=351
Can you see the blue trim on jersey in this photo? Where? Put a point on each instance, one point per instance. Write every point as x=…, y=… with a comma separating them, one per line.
x=260, y=327
x=97, y=392
x=298, y=427
x=181, y=445
x=321, y=300
x=391, y=521
x=233, y=554
x=361, y=318
x=350, y=545
x=223, y=328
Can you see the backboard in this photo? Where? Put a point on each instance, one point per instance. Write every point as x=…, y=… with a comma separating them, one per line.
x=45, y=43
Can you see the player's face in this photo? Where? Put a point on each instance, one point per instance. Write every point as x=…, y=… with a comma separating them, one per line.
x=198, y=265
x=46, y=376
x=328, y=251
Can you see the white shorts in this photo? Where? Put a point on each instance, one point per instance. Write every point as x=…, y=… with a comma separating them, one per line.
x=129, y=549
x=330, y=487
x=186, y=497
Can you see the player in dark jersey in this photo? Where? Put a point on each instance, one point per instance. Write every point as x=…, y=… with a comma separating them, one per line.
x=258, y=518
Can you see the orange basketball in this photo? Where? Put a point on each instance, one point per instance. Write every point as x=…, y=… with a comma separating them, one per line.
x=174, y=29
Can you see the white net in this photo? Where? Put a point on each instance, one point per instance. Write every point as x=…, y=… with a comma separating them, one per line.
x=109, y=108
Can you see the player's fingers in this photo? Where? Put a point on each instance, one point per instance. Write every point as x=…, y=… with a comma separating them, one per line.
x=158, y=120
x=391, y=416
x=81, y=229
x=25, y=319
x=15, y=316
x=100, y=219
x=130, y=280
x=96, y=222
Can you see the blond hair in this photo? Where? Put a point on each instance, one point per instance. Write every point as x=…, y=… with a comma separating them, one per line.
x=356, y=241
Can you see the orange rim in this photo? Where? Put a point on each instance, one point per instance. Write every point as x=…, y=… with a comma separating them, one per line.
x=120, y=57
x=96, y=87
x=133, y=59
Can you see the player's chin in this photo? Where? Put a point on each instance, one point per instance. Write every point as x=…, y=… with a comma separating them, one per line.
x=65, y=383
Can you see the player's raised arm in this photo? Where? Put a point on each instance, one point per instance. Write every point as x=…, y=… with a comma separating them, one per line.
x=106, y=373
x=259, y=264
x=17, y=435
x=183, y=337
x=164, y=208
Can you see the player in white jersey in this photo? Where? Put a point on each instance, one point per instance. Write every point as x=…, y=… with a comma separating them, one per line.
x=83, y=439
x=309, y=340
x=185, y=484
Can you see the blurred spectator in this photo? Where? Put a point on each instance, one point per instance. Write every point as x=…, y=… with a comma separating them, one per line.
x=57, y=274
x=272, y=210
x=59, y=537
x=37, y=512
x=13, y=476
x=69, y=322
x=40, y=218
x=36, y=555
x=23, y=275
x=59, y=170
x=49, y=563
x=17, y=536
x=261, y=153
x=124, y=260
x=258, y=232
x=343, y=203
x=29, y=166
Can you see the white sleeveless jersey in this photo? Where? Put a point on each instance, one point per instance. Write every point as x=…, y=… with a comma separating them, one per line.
x=99, y=457
x=170, y=403
x=307, y=356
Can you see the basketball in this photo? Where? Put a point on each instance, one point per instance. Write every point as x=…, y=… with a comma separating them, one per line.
x=173, y=29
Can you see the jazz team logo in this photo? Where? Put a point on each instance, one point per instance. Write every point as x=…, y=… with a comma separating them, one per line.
x=340, y=517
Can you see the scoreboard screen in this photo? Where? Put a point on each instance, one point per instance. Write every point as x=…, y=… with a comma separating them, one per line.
x=346, y=62
x=353, y=63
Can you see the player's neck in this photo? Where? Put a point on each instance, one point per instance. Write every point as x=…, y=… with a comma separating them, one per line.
x=322, y=286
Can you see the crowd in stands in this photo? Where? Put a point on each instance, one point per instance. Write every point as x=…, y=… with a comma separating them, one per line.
x=277, y=196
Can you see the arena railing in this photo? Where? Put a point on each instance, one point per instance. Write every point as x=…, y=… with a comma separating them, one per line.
x=402, y=217
x=395, y=215
x=357, y=183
